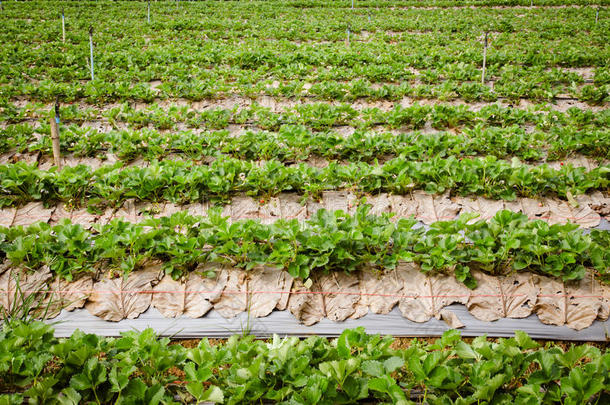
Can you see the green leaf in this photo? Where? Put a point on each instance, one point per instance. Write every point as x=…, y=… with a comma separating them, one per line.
x=524, y=341
x=373, y=367
x=69, y=396
x=465, y=351
x=393, y=363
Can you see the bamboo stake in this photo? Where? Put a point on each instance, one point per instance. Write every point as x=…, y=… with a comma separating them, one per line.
x=347, y=41
x=148, y=12
x=484, y=60
x=55, y=136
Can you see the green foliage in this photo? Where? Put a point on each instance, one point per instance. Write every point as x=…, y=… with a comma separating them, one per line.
x=183, y=182
x=142, y=368
x=333, y=241
x=308, y=130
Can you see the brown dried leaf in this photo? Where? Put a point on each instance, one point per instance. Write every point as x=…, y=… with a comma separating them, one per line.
x=6, y=158
x=93, y=163
x=70, y=161
x=434, y=208
x=577, y=161
x=7, y=216
x=338, y=200
x=291, y=208
x=379, y=204
x=604, y=291
x=380, y=293
x=17, y=285
x=270, y=211
x=485, y=207
x=502, y=297
x=60, y=212
x=192, y=297
x=234, y=298
x=562, y=212
x=534, y=209
x=428, y=295
x=196, y=209
x=128, y=212
x=600, y=204
x=451, y=319
x=106, y=217
x=313, y=207
x=119, y=298
x=317, y=161
x=32, y=213
x=67, y=295
x=575, y=304
x=27, y=157
x=4, y=266
x=168, y=209
x=307, y=308
x=265, y=285
x=403, y=206
x=83, y=218
x=341, y=304
x=79, y=216
x=243, y=207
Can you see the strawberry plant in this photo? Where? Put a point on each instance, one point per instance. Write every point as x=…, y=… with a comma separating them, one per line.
x=141, y=366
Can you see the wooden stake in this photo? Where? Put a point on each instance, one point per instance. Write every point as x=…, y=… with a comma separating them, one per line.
x=91, y=51
x=55, y=136
x=148, y=12
x=484, y=60
x=63, y=26
x=352, y=3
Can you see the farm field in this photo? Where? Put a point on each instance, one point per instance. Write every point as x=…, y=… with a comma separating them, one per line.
x=305, y=157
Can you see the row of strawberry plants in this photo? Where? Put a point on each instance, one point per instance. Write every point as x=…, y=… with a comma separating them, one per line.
x=493, y=130
x=102, y=91
x=511, y=46
x=342, y=83
x=507, y=243
x=140, y=367
x=318, y=116
x=185, y=181
x=186, y=71
x=294, y=143
x=320, y=24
